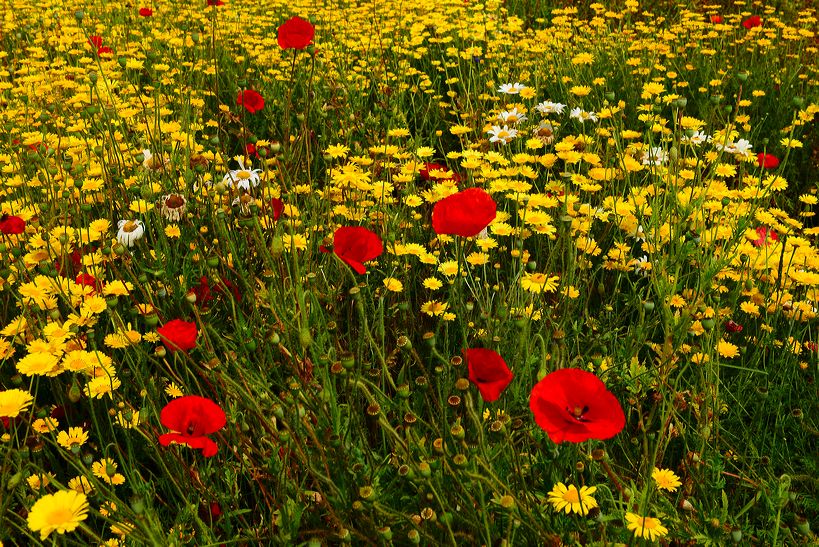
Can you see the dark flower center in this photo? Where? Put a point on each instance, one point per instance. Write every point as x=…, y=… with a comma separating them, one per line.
x=578, y=412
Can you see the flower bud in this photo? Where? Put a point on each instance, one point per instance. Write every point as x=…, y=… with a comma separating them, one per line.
x=305, y=338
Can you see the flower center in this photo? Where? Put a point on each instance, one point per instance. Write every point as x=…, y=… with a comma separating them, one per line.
x=244, y=175
x=59, y=516
x=129, y=226
x=174, y=201
x=571, y=496
x=577, y=413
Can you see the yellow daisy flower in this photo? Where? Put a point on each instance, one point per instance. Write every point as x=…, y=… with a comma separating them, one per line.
x=571, y=500
x=649, y=528
x=666, y=479
x=61, y=512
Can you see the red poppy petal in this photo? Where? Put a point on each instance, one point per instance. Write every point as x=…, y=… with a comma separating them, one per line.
x=356, y=245
x=189, y=410
x=556, y=398
x=465, y=213
x=208, y=447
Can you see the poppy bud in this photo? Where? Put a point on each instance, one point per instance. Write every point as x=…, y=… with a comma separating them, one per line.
x=803, y=525
x=348, y=360
x=74, y=393
x=305, y=338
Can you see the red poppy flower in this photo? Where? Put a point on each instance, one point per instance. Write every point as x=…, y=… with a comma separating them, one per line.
x=178, y=335
x=356, y=245
x=105, y=49
x=765, y=234
x=716, y=19
x=465, y=213
x=191, y=418
x=11, y=225
x=574, y=405
x=88, y=280
x=146, y=12
x=278, y=207
x=733, y=327
x=753, y=21
x=489, y=372
x=296, y=33
x=767, y=161
x=251, y=100
x=95, y=41
x=215, y=3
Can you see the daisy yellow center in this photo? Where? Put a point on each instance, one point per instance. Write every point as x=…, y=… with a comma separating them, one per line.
x=571, y=496
x=129, y=226
x=244, y=175
x=648, y=523
x=59, y=516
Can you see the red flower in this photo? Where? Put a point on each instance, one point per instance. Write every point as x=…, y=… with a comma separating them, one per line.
x=278, y=207
x=251, y=100
x=95, y=41
x=733, y=327
x=104, y=49
x=489, y=372
x=146, y=12
x=10, y=225
x=716, y=19
x=88, y=280
x=356, y=245
x=764, y=234
x=767, y=161
x=751, y=22
x=204, y=295
x=192, y=418
x=574, y=405
x=296, y=33
x=465, y=213
x=178, y=335
x=215, y=3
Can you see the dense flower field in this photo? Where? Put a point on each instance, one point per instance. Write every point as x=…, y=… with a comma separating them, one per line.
x=437, y=272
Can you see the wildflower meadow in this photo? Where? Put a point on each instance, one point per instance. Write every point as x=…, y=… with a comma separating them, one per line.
x=440, y=272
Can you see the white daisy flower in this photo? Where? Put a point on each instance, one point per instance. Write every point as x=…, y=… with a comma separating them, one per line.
x=545, y=132
x=582, y=116
x=742, y=146
x=503, y=135
x=130, y=231
x=548, y=107
x=513, y=116
x=655, y=156
x=511, y=89
x=153, y=163
x=697, y=138
x=173, y=206
x=242, y=178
